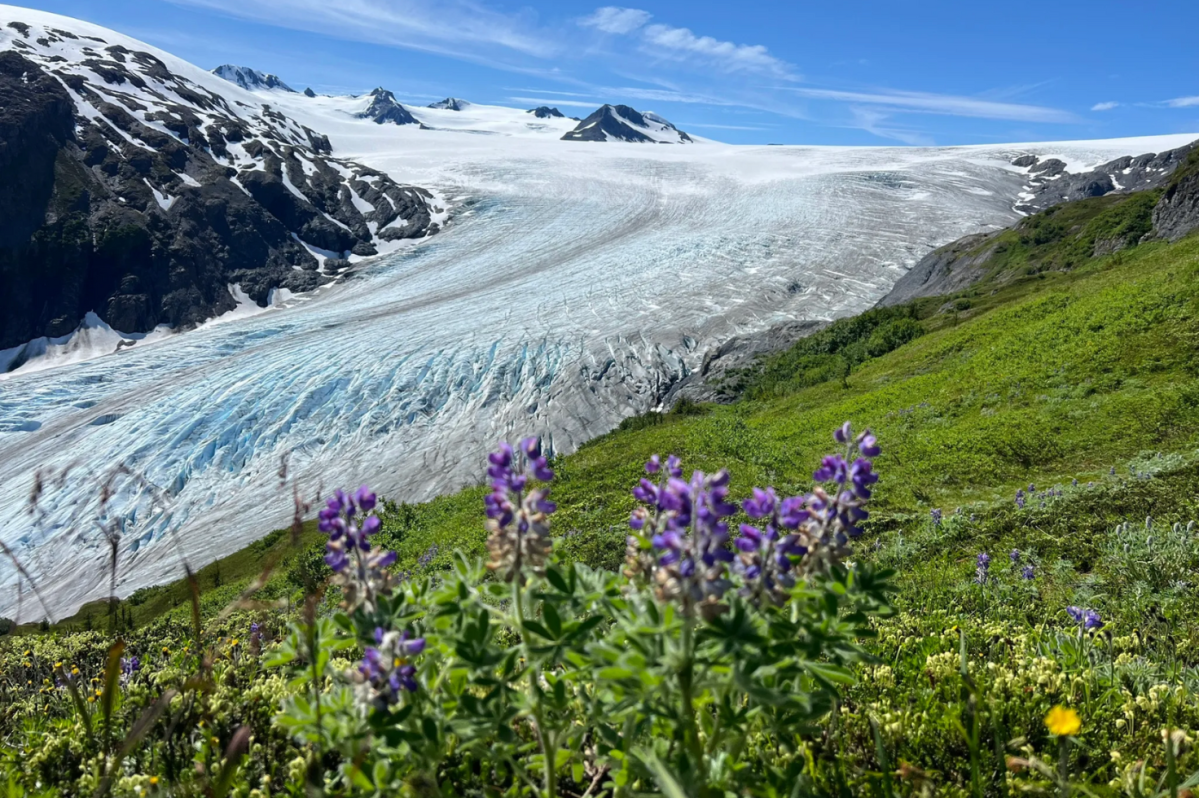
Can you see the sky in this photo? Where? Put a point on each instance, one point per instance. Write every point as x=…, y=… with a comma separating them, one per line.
x=856, y=72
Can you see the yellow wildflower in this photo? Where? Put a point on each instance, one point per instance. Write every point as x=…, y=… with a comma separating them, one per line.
x=1063, y=721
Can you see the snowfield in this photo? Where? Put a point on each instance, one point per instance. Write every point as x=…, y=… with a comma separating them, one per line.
x=573, y=283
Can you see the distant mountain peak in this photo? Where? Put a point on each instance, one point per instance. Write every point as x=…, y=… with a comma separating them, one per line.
x=545, y=112
x=251, y=79
x=384, y=108
x=622, y=123
x=450, y=104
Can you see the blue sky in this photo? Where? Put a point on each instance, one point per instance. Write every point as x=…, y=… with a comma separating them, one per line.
x=751, y=71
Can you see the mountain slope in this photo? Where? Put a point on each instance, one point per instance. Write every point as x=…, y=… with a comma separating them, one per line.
x=1068, y=233
x=251, y=79
x=622, y=123
x=142, y=188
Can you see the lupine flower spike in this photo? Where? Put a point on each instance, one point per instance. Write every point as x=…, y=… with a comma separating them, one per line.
x=518, y=514
x=982, y=568
x=361, y=572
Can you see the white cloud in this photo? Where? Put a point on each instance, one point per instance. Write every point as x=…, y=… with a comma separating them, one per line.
x=594, y=104
x=723, y=127
x=943, y=104
x=1104, y=106
x=870, y=120
x=450, y=27
x=682, y=43
x=1183, y=102
x=611, y=19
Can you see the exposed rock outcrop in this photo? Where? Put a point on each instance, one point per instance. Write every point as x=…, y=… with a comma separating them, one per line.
x=1051, y=184
x=385, y=109
x=622, y=123
x=137, y=193
x=1177, y=212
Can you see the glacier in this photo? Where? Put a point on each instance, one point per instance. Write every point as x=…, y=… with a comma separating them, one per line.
x=572, y=285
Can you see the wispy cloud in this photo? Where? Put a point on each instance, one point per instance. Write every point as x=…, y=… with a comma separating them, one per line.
x=924, y=102
x=450, y=27
x=553, y=101
x=724, y=127
x=872, y=121
x=611, y=19
x=1183, y=102
x=681, y=44
x=1104, y=106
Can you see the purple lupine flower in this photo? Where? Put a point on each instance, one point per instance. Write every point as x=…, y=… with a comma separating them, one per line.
x=936, y=516
x=766, y=551
x=982, y=568
x=1020, y=498
x=129, y=666
x=1028, y=573
x=428, y=557
x=517, y=513
x=680, y=535
x=1086, y=618
x=361, y=572
x=1015, y=556
x=385, y=670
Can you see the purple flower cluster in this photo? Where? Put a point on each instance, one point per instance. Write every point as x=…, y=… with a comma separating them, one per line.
x=680, y=533
x=1020, y=498
x=1028, y=573
x=518, y=513
x=982, y=568
x=768, y=551
x=385, y=670
x=1086, y=619
x=359, y=570
x=129, y=666
x=936, y=516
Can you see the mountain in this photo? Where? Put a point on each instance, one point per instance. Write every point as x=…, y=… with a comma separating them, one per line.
x=251, y=79
x=1050, y=182
x=451, y=104
x=622, y=123
x=140, y=187
x=545, y=112
x=1114, y=207
x=384, y=109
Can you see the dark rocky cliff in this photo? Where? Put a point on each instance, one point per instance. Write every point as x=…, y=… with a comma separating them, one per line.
x=135, y=193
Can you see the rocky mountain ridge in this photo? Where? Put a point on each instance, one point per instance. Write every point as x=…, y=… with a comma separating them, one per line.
x=251, y=79
x=960, y=264
x=622, y=123
x=140, y=191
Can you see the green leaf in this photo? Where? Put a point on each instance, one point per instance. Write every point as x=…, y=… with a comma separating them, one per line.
x=539, y=630
x=834, y=674
x=552, y=619
x=554, y=577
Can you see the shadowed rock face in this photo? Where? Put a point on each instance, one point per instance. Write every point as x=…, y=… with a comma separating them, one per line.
x=385, y=109
x=450, y=104
x=622, y=123
x=250, y=79
x=545, y=112
x=1050, y=184
x=1177, y=213
x=105, y=212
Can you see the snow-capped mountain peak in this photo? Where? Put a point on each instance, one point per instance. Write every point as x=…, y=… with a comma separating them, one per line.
x=450, y=104
x=251, y=79
x=546, y=112
x=622, y=123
